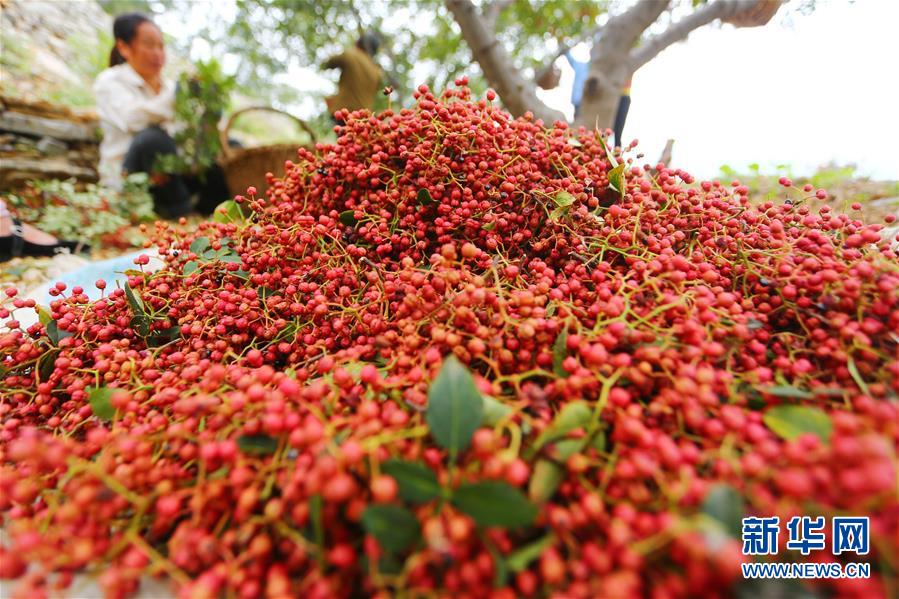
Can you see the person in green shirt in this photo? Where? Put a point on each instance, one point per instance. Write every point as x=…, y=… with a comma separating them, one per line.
x=360, y=76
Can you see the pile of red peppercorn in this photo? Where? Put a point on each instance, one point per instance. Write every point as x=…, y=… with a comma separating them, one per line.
x=459, y=353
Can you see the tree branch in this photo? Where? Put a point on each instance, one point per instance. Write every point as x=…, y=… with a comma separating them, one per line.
x=623, y=31
x=518, y=94
x=493, y=10
x=679, y=31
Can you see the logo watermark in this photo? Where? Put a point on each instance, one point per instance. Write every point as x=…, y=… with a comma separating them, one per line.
x=849, y=535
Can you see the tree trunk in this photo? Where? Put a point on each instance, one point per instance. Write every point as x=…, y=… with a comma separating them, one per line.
x=518, y=94
x=614, y=58
x=601, y=93
x=610, y=59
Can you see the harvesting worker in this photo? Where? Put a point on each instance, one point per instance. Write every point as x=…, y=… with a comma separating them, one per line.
x=136, y=106
x=581, y=70
x=360, y=76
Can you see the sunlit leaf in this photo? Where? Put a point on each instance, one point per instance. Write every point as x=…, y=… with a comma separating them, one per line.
x=99, y=400
x=791, y=421
x=455, y=408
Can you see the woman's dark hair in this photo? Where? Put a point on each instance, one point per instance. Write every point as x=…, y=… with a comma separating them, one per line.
x=124, y=28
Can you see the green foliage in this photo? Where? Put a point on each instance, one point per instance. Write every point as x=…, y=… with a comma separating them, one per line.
x=417, y=482
x=99, y=399
x=455, y=407
x=15, y=57
x=64, y=210
x=525, y=27
x=724, y=504
x=87, y=57
x=790, y=421
x=421, y=41
x=148, y=7
x=495, y=503
x=843, y=183
x=200, y=100
x=257, y=444
x=395, y=527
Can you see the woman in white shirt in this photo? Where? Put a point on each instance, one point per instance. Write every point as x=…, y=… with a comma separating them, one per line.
x=136, y=105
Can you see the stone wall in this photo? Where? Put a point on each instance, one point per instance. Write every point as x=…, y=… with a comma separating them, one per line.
x=39, y=140
x=45, y=55
x=41, y=34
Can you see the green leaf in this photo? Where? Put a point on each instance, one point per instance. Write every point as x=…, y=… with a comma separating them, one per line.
x=228, y=212
x=489, y=226
x=560, y=352
x=388, y=564
x=161, y=337
x=519, y=560
x=791, y=421
x=753, y=325
x=829, y=391
x=495, y=503
x=424, y=197
x=786, y=391
x=43, y=316
x=417, y=482
x=257, y=444
x=220, y=473
x=54, y=333
x=563, y=199
x=199, y=245
x=141, y=324
x=616, y=179
x=725, y=504
x=565, y=448
x=348, y=217
x=558, y=213
x=141, y=320
x=500, y=569
x=393, y=526
x=494, y=411
x=572, y=415
x=231, y=257
x=98, y=398
x=545, y=480
x=191, y=267
x=46, y=364
x=455, y=408
x=605, y=149
x=857, y=377
x=137, y=304
x=318, y=527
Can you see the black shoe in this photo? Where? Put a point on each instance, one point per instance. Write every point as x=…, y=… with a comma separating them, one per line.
x=15, y=245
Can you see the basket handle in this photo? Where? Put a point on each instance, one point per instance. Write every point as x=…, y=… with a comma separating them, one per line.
x=227, y=151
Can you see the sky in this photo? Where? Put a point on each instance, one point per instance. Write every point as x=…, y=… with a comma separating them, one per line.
x=803, y=91
x=822, y=88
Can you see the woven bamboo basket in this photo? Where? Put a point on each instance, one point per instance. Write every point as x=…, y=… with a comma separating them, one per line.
x=245, y=167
